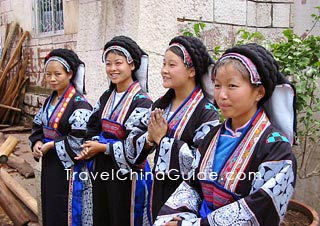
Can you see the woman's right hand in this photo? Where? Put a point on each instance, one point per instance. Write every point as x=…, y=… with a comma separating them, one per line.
x=37, y=153
x=157, y=127
x=174, y=222
x=90, y=149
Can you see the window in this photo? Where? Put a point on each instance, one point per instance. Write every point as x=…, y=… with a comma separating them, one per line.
x=49, y=16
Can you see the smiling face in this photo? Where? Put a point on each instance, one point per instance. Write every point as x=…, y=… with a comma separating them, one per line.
x=119, y=71
x=57, y=76
x=236, y=97
x=174, y=73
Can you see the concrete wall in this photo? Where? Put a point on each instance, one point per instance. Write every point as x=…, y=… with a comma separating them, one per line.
x=89, y=24
x=302, y=16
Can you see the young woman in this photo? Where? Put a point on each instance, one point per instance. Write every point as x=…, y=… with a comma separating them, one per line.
x=179, y=120
x=119, y=198
x=248, y=173
x=57, y=134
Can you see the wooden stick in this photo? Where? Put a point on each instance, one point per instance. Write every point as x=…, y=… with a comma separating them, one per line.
x=15, y=54
x=9, y=107
x=7, y=147
x=6, y=70
x=12, y=207
x=23, y=167
x=19, y=191
x=9, y=41
x=14, y=90
x=14, y=82
x=14, y=101
x=14, y=129
x=13, y=65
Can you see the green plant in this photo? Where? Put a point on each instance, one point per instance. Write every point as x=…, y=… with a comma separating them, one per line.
x=299, y=57
x=246, y=36
x=196, y=29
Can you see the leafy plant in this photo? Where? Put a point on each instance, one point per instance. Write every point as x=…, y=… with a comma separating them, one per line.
x=246, y=36
x=300, y=58
x=196, y=30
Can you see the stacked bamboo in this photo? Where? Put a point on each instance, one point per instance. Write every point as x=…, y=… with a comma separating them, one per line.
x=12, y=74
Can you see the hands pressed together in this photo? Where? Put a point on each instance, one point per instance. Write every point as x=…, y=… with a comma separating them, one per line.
x=157, y=127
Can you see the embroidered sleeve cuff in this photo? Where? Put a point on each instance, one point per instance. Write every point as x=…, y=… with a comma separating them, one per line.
x=63, y=155
x=162, y=164
x=118, y=153
x=95, y=138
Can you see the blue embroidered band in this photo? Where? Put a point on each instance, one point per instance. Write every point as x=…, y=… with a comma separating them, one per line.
x=254, y=75
x=186, y=56
x=119, y=48
x=60, y=60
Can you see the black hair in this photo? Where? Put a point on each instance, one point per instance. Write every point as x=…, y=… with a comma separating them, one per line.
x=235, y=63
x=68, y=55
x=200, y=59
x=198, y=53
x=265, y=63
x=132, y=47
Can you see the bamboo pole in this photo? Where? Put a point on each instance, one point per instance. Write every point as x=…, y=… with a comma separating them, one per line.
x=7, y=148
x=19, y=191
